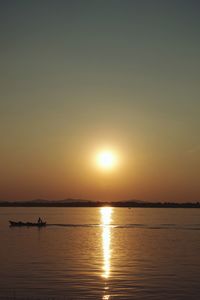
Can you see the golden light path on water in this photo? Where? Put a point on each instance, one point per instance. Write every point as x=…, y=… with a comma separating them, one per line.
x=106, y=213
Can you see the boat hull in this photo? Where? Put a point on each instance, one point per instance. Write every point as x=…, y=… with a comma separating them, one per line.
x=27, y=224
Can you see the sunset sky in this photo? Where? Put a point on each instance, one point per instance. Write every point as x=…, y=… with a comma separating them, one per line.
x=80, y=77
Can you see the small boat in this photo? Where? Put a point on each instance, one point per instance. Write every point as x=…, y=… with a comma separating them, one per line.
x=19, y=224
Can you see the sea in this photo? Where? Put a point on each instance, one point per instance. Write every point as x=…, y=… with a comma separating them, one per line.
x=100, y=253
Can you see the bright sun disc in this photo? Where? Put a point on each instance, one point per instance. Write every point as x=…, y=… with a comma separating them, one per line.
x=106, y=160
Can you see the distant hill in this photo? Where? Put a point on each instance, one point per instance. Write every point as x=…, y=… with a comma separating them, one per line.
x=93, y=203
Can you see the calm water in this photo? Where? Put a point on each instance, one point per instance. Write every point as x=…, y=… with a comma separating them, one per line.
x=101, y=253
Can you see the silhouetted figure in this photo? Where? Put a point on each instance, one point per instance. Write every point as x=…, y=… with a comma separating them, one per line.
x=39, y=220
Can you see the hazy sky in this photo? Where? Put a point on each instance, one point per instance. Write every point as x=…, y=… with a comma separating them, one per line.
x=79, y=76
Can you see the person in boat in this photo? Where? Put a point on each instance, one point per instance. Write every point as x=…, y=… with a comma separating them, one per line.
x=40, y=221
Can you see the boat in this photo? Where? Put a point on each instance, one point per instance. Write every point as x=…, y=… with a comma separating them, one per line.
x=28, y=224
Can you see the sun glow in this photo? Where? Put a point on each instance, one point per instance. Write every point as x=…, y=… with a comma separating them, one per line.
x=106, y=160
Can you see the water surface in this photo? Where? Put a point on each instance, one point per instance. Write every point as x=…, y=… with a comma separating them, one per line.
x=101, y=253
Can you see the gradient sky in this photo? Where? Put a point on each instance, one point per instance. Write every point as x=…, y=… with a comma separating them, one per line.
x=79, y=76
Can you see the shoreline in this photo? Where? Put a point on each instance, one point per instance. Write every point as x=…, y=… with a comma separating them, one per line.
x=101, y=204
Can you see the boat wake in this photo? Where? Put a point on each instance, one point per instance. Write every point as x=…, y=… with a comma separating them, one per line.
x=135, y=226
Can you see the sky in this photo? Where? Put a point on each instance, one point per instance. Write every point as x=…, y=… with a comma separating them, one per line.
x=81, y=76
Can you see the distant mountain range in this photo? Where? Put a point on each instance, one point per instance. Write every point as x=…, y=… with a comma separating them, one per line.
x=70, y=200
x=92, y=203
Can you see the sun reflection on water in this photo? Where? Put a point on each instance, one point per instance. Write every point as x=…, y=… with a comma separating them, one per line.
x=106, y=213
x=106, y=297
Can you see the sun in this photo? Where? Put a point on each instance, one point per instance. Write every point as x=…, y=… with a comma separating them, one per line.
x=106, y=160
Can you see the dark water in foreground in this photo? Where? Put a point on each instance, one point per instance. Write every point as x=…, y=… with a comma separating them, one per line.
x=101, y=253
